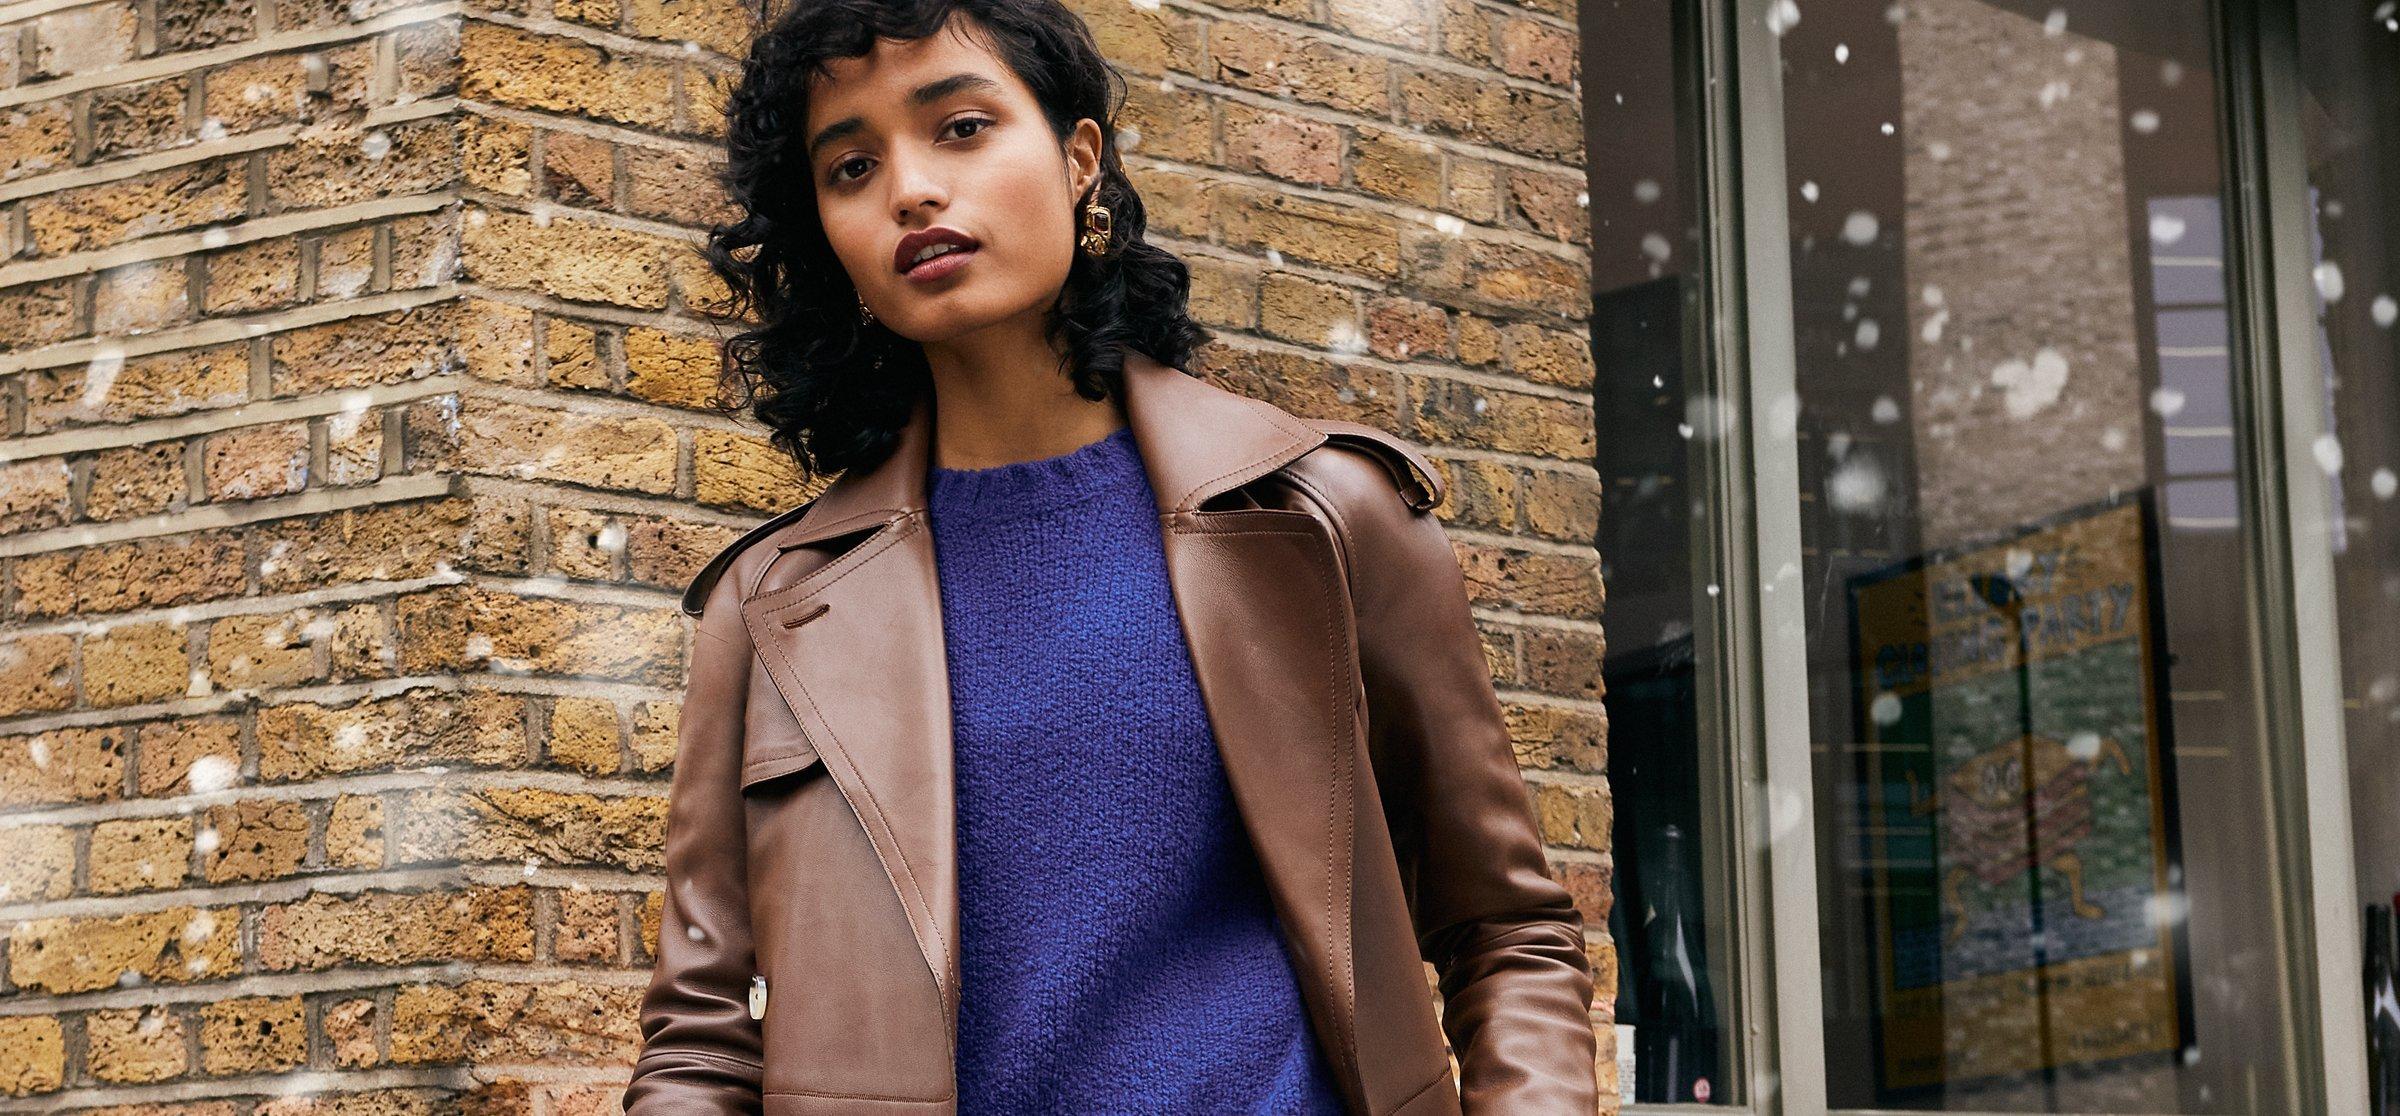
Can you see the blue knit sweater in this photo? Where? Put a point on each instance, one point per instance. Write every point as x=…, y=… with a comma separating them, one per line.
x=1118, y=951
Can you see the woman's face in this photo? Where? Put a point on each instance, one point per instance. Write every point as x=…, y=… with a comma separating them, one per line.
x=940, y=133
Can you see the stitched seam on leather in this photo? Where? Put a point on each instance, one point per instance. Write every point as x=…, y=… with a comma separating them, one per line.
x=832, y=527
x=857, y=556
x=666, y=1053
x=883, y=819
x=1339, y=528
x=1531, y=929
x=769, y=763
x=1341, y=524
x=1332, y=803
x=1341, y=790
x=1280, y=419
x=1421, y=1090
x=855, y=1096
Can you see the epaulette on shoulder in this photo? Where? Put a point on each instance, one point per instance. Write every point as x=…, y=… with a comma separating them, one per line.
x=695, y=595
x=1419, y=484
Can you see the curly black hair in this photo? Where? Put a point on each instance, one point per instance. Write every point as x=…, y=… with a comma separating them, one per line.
x=807, y=366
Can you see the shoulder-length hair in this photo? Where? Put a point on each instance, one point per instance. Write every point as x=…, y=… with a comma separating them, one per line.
x=808, y=366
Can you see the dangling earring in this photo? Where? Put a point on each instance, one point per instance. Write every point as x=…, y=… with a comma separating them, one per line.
x=1095, y=229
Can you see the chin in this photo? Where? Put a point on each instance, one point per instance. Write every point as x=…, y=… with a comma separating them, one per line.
x=939, y=318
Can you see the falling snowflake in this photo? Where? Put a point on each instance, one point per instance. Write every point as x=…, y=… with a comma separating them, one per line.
x=1782, y=16
x=2329, y=281
x=211, y=773
x=2032, y=385
x=1856, y=485
x=2328, y=449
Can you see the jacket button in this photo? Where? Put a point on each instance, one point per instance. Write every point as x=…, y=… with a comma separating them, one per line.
x=758, y=997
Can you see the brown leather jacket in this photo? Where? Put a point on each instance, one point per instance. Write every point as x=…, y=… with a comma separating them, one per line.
x=808, y=951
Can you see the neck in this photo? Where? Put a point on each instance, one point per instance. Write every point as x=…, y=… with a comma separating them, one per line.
x=997, y=401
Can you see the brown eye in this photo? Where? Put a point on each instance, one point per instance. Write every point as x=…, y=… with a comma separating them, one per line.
x=979, y=122
x=837, y=168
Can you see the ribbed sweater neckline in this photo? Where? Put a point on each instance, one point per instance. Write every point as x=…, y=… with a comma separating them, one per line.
x=1027, y=487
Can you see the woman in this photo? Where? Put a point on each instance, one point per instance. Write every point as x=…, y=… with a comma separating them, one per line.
x=1100, y=740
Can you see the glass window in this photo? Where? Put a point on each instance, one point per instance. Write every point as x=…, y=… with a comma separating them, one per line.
x=1669, y=918
x=2350, y=78
x=2046, y=872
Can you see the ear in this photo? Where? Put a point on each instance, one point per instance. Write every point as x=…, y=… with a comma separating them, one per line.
x=1083, y=155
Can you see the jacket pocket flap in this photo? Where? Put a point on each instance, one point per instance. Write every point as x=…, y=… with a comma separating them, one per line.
x=775, y=759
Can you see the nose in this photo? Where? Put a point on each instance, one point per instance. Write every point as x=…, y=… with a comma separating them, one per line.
x=913, y=184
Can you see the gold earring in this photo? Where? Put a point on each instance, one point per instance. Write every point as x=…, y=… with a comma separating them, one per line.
x=865, y=315
x=1095, y=229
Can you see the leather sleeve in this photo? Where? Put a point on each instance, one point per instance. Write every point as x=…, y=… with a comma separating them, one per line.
x=700, y=1050
x=1505, y=936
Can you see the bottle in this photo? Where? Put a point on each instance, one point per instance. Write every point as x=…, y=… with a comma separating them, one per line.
x=1675, y=1045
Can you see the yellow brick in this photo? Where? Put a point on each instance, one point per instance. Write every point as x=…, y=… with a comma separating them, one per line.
x=115, y=212
x=522, y=69
x=33, y=1055
x=677, y=369
x=739, y=471
x=253, y=1034
x=70, y=954
x=133, y=1046
x=40, y=864
x=141, y=854
x=136, y=663
x=262, y=839
x=575, y=260
x=37, y=673
x=397, y=928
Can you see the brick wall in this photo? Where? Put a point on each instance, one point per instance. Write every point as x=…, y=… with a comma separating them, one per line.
x=359, y=439
x=2027, y=359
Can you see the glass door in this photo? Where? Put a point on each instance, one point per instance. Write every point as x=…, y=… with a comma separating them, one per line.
x=2011, y=504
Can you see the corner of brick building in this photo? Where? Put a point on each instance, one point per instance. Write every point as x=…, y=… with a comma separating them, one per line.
x=359, y=375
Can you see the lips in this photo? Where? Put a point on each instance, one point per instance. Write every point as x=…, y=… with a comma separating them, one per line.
x=904, y=256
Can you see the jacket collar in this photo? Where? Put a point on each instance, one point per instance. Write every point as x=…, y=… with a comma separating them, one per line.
x=1197, y=440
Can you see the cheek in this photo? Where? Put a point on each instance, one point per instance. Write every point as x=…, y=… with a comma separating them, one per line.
x=854, y=242
x=1028, y=184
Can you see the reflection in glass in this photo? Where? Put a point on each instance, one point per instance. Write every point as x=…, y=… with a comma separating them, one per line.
x=2022, y=521
x=2350, y=85
x=1668, y=916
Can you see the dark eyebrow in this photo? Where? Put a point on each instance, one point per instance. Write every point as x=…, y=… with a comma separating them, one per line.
x=919, y=97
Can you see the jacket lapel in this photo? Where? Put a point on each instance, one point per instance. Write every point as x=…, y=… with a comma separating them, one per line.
x=855, y=648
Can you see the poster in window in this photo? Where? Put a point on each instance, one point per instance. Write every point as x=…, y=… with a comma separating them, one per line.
x=2018, y=847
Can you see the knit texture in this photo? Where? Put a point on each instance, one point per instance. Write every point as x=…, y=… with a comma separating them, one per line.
x=1118, y=950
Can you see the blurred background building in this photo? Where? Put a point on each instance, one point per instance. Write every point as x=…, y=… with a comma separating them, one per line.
x=1980, y=413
